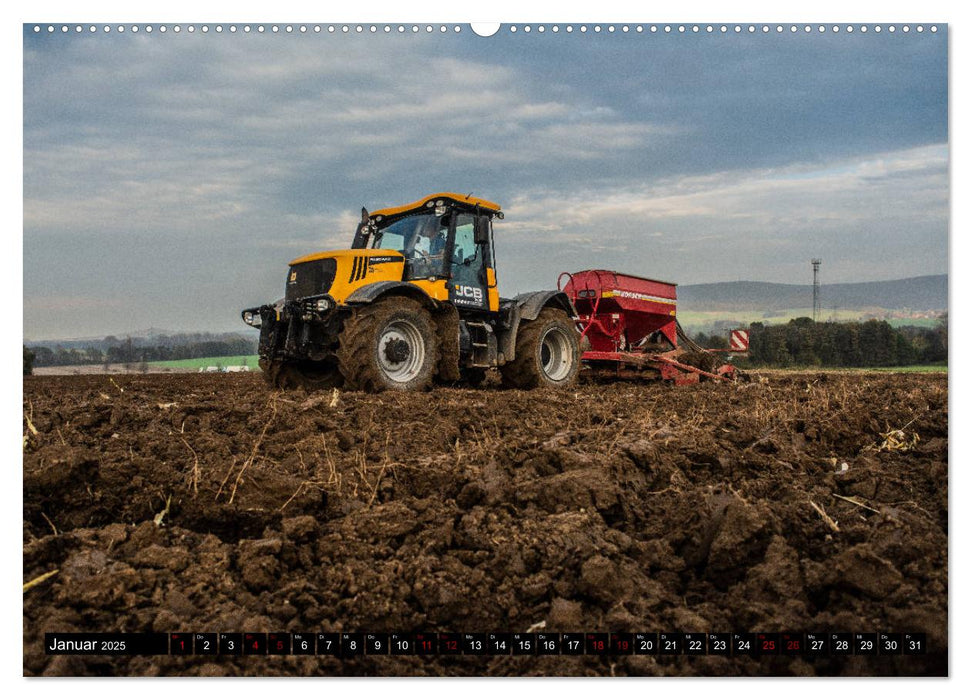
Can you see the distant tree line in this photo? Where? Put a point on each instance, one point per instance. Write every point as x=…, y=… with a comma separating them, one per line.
x=129, y=351
x=802, y=342
x=142, y=341
x=28, y=361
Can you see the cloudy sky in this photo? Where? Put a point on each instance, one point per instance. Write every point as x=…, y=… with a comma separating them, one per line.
x=169, y=178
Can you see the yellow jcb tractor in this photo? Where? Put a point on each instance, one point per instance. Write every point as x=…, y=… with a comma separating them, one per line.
x=414, y=301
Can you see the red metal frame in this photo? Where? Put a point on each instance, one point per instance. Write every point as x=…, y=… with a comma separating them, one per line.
x=624, y=318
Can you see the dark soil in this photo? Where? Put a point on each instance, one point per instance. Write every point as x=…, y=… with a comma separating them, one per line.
x=623, y=507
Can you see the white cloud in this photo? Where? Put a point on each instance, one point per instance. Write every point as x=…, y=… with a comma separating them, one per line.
x=889, y=208
x=910, y=183
x=217, y=133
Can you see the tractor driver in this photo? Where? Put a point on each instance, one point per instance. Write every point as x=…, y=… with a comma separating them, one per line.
x=428, y=248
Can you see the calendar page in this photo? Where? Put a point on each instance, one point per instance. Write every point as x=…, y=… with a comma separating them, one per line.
x=447, y=349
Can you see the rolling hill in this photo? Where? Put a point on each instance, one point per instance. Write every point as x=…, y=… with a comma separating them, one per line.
x=928, y=293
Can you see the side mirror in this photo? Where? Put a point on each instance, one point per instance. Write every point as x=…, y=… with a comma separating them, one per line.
x=481, y=231
x=362, y=233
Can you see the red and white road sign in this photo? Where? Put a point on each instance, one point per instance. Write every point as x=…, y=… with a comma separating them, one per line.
x=739, y=341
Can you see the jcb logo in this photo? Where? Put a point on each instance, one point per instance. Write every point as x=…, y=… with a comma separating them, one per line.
x=464, y=290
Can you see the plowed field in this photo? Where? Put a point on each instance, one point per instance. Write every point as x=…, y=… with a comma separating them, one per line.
x=210, y=503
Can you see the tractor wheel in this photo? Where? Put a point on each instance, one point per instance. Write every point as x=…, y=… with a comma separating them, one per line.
x=547, y=352
x=389, y=345
x=310, y=376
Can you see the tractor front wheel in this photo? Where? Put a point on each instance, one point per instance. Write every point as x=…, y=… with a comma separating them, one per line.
x=390, y=344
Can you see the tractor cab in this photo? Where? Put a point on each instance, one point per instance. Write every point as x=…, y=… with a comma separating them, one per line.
x=446, y=241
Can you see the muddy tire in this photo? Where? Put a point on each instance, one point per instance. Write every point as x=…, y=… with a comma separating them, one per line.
x=310, y=376
x=547, y=353
x=390, y=345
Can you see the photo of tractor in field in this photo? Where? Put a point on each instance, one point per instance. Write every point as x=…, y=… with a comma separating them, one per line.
x=406, y=350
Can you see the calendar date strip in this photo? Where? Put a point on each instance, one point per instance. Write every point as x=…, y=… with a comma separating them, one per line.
x=347, y=645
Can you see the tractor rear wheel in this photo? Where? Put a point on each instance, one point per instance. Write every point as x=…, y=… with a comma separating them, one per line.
x=547, y=352
x=310, y=376
x=390, y=344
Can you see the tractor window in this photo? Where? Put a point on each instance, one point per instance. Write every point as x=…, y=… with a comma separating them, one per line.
x=421, y=239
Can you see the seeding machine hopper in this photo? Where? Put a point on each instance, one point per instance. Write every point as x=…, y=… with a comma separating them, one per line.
x=629, y=328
